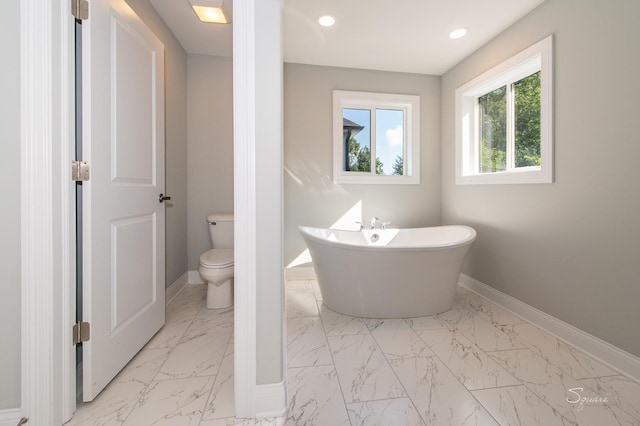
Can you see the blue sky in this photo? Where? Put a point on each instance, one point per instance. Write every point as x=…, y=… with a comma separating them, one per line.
x=389, y=133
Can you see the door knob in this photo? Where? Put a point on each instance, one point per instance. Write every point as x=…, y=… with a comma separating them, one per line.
x=162, y=198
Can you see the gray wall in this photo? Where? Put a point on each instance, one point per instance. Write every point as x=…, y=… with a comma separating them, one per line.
x=571, y=248
x=269, y=193
x=210, y=130
x=311, y=197
x=10, y=218
x=176, y=140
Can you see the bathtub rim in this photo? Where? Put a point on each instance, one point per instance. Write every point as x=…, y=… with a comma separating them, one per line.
x=304, y=231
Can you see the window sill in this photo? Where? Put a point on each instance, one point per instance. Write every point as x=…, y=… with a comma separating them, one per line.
x=377, y=180
x=511, y=177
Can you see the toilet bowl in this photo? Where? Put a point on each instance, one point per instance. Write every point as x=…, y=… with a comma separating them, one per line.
x=216, y=268
x=216, y=264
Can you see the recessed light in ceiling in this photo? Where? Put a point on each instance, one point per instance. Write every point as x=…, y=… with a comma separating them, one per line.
x=211, y=11
x=326, y=20
x=458, y=33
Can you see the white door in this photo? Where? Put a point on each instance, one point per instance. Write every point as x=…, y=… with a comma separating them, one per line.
x=123, y=220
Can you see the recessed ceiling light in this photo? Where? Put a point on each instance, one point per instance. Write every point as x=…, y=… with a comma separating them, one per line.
x=211, y=11
x=459, y=33
x=326, y=20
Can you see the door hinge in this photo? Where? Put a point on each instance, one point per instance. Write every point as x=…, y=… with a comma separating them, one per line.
x=80, y=9
x=79, y=171
x=81, y=332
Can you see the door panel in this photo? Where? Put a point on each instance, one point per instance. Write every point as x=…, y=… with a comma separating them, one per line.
x=132, y=65
x=123, y=227
x=133, y=278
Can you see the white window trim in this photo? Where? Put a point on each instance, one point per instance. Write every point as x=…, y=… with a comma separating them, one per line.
x=365, y=100
x=537, y=57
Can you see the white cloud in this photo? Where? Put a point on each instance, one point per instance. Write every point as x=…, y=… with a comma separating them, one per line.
x=394, y=136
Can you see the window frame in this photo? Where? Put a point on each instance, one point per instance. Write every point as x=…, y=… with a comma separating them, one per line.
x=410, y=104
x=538, y=57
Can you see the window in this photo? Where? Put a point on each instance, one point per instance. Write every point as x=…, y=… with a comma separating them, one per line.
x=503, y=121
x=376, y=138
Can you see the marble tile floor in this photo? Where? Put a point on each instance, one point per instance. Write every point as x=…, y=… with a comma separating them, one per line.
x=476, y=364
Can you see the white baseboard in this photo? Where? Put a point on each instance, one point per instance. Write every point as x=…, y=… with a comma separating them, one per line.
x=610, y=355
x=10, y=417
x=195, y=278
x=271, y=401
x=188, y=278
x=299, y=273
x=176, y=287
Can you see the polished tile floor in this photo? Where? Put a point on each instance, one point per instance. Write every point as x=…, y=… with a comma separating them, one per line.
x=476, y=364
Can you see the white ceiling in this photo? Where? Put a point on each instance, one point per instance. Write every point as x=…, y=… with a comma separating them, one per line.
x=195, y=36
x=391, y=35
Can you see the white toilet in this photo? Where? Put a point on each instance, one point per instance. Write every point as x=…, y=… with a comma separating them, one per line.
x=216, y=265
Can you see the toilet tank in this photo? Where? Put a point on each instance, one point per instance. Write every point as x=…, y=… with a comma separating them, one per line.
x=221, y=230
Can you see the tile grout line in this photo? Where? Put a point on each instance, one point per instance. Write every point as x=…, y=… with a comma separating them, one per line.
x=620, y=407
x=454, y=328
x=301, y=316
x=544, y=332
x=171, y=349
x=541, y=396
x=456, y=376
x=487, y=353
x=344, y=400
x=544, y=402
x=424, y=422
x=479, y=349
x=204, y=409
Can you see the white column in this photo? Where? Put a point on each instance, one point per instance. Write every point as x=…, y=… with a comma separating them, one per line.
x=260, y=389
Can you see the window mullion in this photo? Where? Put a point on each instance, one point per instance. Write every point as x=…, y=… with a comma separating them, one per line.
x=406, y=137
x=475, y=135
x=511, y=124
x=372, y=152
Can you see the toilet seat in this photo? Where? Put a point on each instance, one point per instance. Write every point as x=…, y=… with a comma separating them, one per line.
x=217, y=259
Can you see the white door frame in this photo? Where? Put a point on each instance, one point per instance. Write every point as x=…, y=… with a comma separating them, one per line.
x=48, y=209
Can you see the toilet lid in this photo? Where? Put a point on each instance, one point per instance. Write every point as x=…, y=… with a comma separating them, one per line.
x=217, y=258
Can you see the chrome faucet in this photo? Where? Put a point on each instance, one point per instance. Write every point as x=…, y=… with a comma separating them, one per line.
x=374, y=220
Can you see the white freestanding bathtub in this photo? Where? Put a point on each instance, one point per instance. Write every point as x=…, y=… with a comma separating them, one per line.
x=389, y=273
